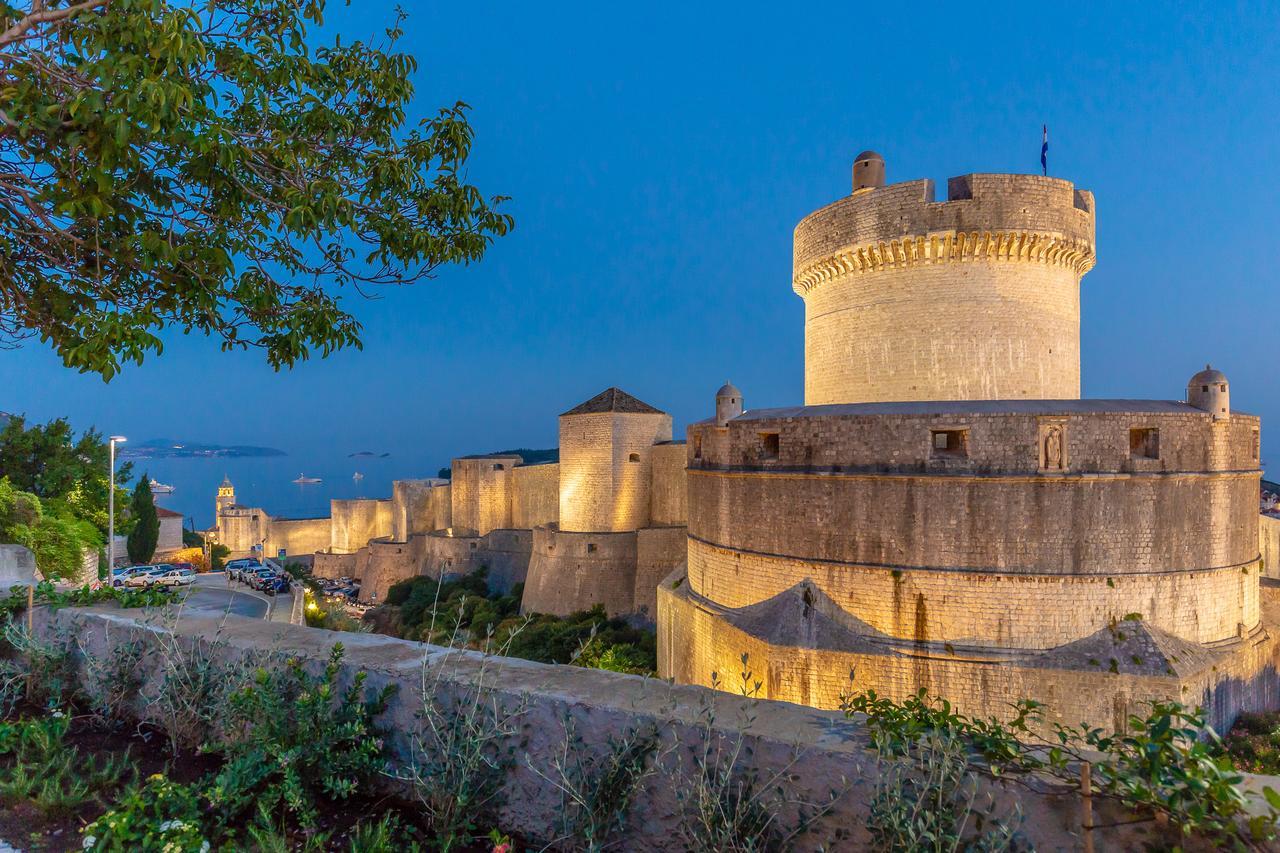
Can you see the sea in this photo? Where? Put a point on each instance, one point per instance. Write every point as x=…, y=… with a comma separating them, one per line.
x=267, y=482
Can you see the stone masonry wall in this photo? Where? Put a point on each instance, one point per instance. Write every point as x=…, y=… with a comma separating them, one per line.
x=298, y=536
x=535, y=496
x=411, y=508
x=605, y=469
x=668, y=495
x=973, y=298
x=659, y=550
x=481, y=493
x=355, y=522
x=1269, y=545
x=572, y=571
x=600, y=707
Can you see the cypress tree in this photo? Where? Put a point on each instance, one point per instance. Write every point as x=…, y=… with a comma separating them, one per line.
x=146, y=529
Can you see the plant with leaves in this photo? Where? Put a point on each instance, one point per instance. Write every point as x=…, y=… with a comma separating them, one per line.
x=68, y=473
x=294, y=737
x=158, y=815
x=142, y=540
x=58, y=539
x=211, y=166
x=38, y=766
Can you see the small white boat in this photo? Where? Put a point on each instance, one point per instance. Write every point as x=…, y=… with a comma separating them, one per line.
x=305, y=480
x=158, y=488
x=357, y=476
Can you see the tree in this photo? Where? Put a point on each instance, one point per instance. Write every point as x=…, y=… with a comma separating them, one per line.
x=58, y=539
x=146, y=527
x=204, y=166
x=63, y=471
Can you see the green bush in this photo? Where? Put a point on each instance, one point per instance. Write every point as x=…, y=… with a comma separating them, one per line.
x=295, y=737
x=158, y=815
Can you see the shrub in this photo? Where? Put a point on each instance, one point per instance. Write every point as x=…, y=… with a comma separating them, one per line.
x=294, y=737
x=39, y=767
x=158, y=815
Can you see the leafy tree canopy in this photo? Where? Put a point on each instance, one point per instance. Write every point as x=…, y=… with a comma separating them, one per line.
x=204, y=166
x=56, y=537
x=50, y=462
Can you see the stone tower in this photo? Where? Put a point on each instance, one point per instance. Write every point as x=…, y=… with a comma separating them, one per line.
x=1210, y=392
x=226, y=498
x=972, y=298
x=606, y=453
x=728, y=403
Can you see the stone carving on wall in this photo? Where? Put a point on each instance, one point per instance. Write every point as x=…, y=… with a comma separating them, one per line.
x=1053, y=446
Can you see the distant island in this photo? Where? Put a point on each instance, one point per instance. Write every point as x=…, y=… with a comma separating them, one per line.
x=165, y=448
x=367, y=454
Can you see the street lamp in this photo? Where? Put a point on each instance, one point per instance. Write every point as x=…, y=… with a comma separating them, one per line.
x=111, y=505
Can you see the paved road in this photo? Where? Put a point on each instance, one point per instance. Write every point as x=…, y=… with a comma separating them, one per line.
x=211, y=593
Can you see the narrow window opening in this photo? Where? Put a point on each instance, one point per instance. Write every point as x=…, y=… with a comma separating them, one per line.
x=952, y=443
x=1257, y=441
x=697, y=447
x=770, y=445
x=1144, y=443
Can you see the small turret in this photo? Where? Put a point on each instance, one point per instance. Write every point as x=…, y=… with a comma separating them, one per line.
x=728, y=403
x=1210, y=392
x=868, y=171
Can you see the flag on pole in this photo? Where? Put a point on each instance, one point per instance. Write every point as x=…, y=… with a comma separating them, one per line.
x=1044, y=150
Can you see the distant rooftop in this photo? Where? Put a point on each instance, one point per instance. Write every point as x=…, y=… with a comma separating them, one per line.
x=167, y=513
x=614, y=400
x=976, y=407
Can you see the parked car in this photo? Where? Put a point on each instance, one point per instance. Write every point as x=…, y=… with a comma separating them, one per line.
x=185, y=566
x=175, y=577
x=148, y=577
x=261, y=579
x=121, y=576
x=238, y=568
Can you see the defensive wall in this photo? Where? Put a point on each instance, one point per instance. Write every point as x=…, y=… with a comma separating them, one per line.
x=354, y=522
x=297, y=536
x=976, y=297
x=481, y=493
x=1269, y=545
x=552, y=705
x=535, y=495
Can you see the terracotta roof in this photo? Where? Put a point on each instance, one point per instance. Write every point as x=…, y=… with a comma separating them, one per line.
x=614, y=400
x=167, y=513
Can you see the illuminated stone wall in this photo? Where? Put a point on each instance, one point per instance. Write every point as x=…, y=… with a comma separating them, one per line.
x=668, y=497
x=976, y=297
x=606, y=469
x=240, y=528
x=1269, y=545
x=481, y=493
x=413, y=507
x=572, y=571
x=535, y=496
x=659, y=550
x=503, y=553
x=298, y=536
x=809, y=660
x=354, y=522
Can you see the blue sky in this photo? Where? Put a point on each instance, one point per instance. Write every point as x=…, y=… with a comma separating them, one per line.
x=658, y=158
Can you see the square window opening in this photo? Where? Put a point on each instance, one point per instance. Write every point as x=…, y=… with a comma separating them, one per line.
x=770, y=445
x=498, y=466
x=634, y=457
x=591, y=547
x=1144, y=443
x=953, y=443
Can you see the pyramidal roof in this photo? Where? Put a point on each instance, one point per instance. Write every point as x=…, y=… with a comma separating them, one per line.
x=613, y=400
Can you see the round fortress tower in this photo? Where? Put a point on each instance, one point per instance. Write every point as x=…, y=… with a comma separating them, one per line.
x=972, y=298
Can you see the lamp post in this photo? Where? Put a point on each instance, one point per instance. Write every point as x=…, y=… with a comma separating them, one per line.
x=111, y=505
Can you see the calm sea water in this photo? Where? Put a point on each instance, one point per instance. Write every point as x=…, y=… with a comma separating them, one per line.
x=267, y=482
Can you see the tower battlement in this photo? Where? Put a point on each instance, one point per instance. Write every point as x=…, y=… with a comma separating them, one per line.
x=984, y=215
x=972, y=298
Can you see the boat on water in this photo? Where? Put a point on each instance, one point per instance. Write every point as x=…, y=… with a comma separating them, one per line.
x=303, y=479
x=158, y=488
x=357, y=476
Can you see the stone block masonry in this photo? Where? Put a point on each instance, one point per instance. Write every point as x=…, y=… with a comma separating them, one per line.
x=774, y=739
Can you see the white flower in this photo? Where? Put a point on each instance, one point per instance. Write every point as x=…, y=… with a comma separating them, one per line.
x=204, y=847
x=57, y=715
x=170, y=825
x=88, y=842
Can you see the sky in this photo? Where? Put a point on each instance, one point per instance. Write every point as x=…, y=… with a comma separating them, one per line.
x=659, y=156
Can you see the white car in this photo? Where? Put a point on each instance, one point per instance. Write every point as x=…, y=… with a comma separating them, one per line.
x=149, y=575
x=177, y=577
x=128, y=576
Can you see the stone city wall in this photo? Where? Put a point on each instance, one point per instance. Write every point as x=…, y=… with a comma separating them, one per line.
x=412, y=509
x=241, y=528
x=668, y=495
x=605, y=469
x=659, y=550
x=977, y=297
x=481, y=493
x=535, y=496
x=333, y=566
x=356, y=521
x=571, y=571
x=298, y=536
x=696, y=639
x=504, y=553
x=1269, y=545
x=600, y=708
x=388, y=562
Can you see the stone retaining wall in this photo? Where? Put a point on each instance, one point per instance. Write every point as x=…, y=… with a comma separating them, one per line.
x=777, y=739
